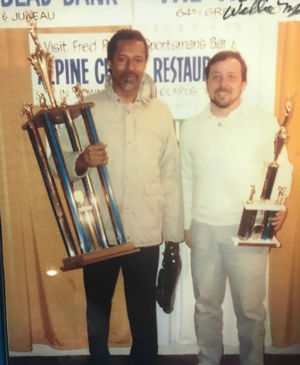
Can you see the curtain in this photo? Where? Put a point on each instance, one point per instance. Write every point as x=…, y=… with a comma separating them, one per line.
x=284, y=293
x=41, y=309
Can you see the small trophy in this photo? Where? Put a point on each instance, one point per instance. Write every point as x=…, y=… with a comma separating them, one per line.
x=255, y=227
x=78, y=212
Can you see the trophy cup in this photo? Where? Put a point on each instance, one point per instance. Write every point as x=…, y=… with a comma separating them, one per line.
x=78, y=212
x=255, y=227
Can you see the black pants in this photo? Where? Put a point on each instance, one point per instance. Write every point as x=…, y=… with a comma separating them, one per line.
x=139, y=272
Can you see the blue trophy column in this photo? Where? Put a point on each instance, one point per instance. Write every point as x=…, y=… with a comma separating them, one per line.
x=3, y=326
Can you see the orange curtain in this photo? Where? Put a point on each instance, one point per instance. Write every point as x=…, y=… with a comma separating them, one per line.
x=285, y=262
x=40, y=309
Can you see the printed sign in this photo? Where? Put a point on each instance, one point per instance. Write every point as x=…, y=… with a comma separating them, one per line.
x=65, y=13
x=180, y=53
x=194, y=11
x=78, y=58
x=78, y=13
x=178, y=57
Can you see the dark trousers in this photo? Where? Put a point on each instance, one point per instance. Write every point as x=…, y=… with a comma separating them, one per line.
x=139, y=272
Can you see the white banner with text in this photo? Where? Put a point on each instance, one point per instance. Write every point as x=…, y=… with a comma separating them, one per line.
x=82, y=13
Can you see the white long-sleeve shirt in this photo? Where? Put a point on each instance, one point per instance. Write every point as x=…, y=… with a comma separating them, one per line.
x=222, y=157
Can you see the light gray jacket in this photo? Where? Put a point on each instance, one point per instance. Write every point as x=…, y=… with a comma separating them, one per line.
x=143, y=164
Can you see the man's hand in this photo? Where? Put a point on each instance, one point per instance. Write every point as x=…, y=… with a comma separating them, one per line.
x=278, y=220
x=94, y=155
x=187, y=238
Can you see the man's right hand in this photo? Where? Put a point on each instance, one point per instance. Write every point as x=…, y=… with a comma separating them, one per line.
x=94, y=155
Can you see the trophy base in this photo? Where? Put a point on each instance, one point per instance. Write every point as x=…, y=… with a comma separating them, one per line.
x=78, y=261
x=265, y=206
x=258, y=242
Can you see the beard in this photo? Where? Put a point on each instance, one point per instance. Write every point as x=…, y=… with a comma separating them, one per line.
x=129, y=81
x=223, y=98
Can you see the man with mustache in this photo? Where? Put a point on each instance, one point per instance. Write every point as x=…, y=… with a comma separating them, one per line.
x=224, y=150
x=141, y=152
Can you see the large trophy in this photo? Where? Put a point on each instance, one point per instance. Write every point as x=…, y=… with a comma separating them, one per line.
x=79, y=213
x=255, y=227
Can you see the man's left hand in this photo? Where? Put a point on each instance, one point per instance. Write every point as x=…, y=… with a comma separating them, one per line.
x=278, y=220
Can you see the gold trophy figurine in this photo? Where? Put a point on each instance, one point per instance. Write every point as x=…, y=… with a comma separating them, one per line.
x=42, y=62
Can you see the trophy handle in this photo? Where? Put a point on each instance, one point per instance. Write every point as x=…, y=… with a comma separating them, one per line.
x=247, y=223
x=51, y=188
x=87, y=184
x=268, y=230
x=67, y=188
x=269, y=181
x=104, y=178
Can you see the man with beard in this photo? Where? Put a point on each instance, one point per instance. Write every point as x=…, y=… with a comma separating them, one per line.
x=224, y=150
x=141, y=152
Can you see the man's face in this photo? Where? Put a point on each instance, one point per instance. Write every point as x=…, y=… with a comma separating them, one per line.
x=128, y=65
x=224, y=83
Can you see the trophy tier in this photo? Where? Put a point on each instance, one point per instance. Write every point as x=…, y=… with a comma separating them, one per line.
x=271, y=242
x=79, y=213
x=255, y=227
x=56, y=114
x=79, y=261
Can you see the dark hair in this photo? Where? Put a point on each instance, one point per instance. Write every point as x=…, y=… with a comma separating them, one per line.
x=223, y=55
x=125, y=34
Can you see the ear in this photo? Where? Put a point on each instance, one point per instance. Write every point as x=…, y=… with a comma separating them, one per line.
x=244, y=84
x=109, y=63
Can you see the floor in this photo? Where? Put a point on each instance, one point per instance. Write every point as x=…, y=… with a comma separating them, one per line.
x=162, y=360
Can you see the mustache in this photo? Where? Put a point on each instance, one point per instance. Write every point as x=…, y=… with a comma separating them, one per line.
x=129, y=73
x=222, y=90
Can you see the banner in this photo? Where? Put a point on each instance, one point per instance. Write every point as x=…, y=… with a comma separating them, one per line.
x=78, y=58
x=194, y=11
x=81, y=13
x=178, y=57
x=65, y=13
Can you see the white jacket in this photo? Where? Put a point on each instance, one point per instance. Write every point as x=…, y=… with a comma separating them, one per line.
x=143, y=164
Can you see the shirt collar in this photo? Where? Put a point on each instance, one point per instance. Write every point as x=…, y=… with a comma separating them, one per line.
x=236, y=114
